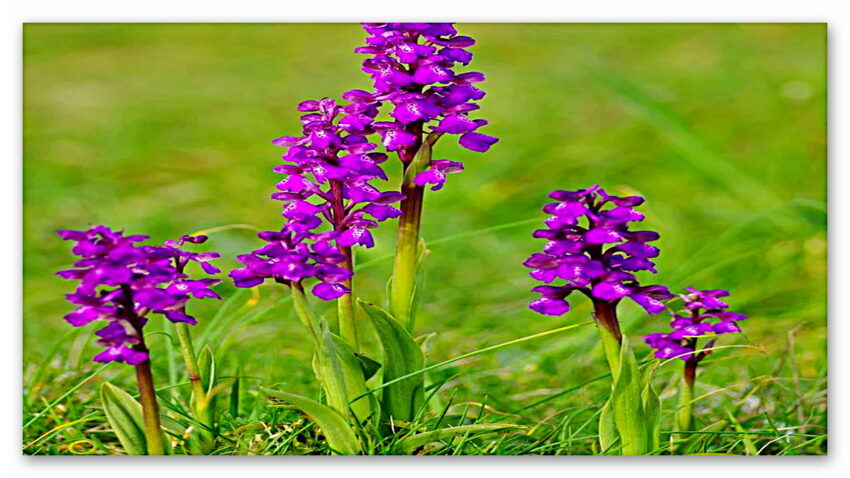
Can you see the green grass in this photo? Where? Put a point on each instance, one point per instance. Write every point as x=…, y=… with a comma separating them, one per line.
x=166, y=129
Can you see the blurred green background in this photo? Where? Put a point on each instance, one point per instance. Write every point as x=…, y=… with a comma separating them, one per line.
x=165, y=130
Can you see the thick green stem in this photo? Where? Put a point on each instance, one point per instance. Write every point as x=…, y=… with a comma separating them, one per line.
x=345, y=306
x=150, y=408
x=407, y=246
x=407, y=240
x=605, y=314
x=344, y=324
x=684, y=415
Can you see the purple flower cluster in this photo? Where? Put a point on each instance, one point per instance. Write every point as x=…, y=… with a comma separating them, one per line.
x=331, y=164
x=122, y=282
x=412, y=68
x=704, y=314
x=292, y=255
x=591, y=248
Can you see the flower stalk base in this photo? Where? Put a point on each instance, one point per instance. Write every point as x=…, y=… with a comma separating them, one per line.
x=150, y=408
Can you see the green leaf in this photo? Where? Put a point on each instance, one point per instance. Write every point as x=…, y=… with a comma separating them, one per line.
x=608, y=436
x=340, y=435
x=408, y=445
x=695, y=441
x=234, y=392
x=124, y=414
x=402, y=356
x=651, y=409
x=749, y=446
x=206, y=368
x=341, y=374
x=422, y=158
x=370, y=367
x=627, y=405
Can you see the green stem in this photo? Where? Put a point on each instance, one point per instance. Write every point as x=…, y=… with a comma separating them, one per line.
x=407, y=245
x=144, y=378
x=345, y=306
x=200, y=402
x=684, y=416
x=190, y=359
x=605, y=315
x=150, y=408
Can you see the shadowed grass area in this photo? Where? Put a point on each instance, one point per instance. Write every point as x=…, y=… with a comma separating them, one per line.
x=165, y=130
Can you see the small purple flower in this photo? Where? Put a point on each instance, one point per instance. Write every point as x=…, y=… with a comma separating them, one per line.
x=703, y=315
x=591, y=248
x=122, y=283
x=436, y=175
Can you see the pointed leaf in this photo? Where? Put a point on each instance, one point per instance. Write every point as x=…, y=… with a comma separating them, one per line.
x=338, y=432
x=652, y=410
x=341, y=374
x=206, y=368
x=402, y=356
x=370, y=367
x=608, y=437
x=124, y=414
x=234, y=392
x=628, y=406
x=409, y=444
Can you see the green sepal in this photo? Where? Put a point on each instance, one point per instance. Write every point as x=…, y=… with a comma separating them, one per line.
x=422, y=159
x=409, y=444
x=340, y=435
x=125, y=417
x=401, y=356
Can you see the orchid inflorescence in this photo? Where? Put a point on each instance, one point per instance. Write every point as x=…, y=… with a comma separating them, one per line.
x=704, y=314
x=342, y=163
x=412, y=68
x=597, y=256
x=122, y=283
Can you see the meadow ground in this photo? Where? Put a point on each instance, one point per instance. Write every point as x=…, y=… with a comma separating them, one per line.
x=166, y=129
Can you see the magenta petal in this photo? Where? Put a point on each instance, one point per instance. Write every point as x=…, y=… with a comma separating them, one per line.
x=327, y=291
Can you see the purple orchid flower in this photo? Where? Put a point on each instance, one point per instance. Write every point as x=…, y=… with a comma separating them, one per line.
x=591, y=249
x=122, y=282
x=412, y=67
x=704, y=315
x=329, y=172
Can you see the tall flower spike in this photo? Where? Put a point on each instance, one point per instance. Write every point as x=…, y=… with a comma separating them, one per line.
x=122, y=283
x=704, y=314
x=414, y=79
x=328, y=173
x=591, y=249
x=412, y=67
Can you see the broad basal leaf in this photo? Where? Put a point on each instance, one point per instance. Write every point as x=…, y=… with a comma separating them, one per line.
x=334, y=425
x=125, y=417
x=402, y=356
